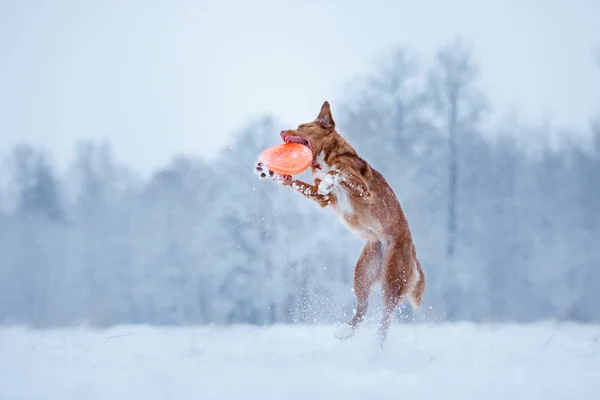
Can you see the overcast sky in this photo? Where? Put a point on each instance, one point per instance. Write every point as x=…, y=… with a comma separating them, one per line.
x=178, y=76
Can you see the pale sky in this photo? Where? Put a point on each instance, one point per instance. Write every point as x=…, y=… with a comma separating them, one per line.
x=161, y=77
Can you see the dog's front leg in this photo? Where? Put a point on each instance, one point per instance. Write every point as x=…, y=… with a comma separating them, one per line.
x=264, y=173
x=349, y=181
x=329, y=182
x=356, y=185
x=309, y=191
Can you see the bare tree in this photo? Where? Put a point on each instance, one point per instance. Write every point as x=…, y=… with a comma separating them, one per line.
x=458, y=106
x=388, y=117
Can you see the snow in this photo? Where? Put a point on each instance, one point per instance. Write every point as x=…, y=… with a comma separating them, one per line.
x=344, y=331
x=446, y=361
x=328, y=183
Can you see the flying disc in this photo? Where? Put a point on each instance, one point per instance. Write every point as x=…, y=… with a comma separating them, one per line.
x=287, y=158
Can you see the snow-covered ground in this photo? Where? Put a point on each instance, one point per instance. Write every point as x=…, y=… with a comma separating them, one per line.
x=453, y=361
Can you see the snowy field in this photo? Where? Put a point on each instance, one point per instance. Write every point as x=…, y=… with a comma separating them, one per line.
x=458, y=361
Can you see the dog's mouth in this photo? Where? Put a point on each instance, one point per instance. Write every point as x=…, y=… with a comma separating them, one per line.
x=295, y=139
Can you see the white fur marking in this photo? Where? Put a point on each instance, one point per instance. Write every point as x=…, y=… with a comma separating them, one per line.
x=323, y=167
x=343, y=200
x=413, y=283
x=343, y=204
x=416, y=276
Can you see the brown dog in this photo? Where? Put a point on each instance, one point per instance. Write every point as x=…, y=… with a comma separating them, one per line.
x=362, y=198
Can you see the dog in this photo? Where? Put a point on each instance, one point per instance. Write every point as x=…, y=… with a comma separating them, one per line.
x=366, y=203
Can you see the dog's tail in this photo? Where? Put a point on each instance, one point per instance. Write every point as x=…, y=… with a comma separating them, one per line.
x=418, y=287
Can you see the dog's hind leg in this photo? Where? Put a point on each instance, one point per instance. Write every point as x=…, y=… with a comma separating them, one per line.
x=398, y=274
x=366, y=273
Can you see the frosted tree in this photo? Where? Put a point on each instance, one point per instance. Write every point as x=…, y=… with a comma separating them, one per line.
x=458, y=107
x=586, y=176
x=387, y=118
x=6, y=288
x=494, y=179
x=247, y=226
x=37, y=245
x=100, y=243
x=578, y=268
x=37, y=186
x=172, y=219
x=557, y=234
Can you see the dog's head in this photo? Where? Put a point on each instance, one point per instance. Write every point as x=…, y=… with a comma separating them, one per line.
x=315, y=134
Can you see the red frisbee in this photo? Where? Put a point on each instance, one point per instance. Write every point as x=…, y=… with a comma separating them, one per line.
x=287, y=158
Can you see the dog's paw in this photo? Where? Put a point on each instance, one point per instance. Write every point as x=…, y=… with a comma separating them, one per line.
x=262, y=171
x=344, y=331
x=265, y=173
x=328, y=184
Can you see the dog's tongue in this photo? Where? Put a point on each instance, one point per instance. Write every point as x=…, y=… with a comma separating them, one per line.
x=292, y=139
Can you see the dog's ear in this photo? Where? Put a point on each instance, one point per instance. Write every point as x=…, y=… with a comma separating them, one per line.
x=325, y=118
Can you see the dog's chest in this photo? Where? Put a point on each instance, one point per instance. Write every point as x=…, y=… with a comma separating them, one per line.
x=320, y=169
x=343, y=204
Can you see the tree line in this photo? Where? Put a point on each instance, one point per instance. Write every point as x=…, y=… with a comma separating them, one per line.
x=505, y=230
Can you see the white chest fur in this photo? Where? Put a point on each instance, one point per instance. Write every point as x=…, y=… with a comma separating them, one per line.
x=343, y=205
x=322, y=168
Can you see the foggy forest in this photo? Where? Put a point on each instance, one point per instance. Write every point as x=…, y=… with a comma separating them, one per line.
x=505, y=217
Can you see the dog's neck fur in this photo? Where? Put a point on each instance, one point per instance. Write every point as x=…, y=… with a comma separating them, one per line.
x=335, y=148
